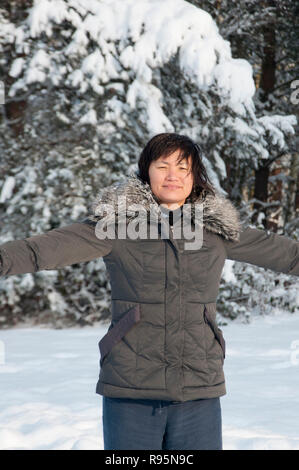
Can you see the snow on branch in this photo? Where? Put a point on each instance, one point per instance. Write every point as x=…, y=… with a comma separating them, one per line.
x=131, y=39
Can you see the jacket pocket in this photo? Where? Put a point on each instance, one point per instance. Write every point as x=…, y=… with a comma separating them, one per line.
x=118, y=330
x=217, y=331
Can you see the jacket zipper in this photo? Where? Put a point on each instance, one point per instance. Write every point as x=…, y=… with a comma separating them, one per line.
x=165, y=257
x=165, y=299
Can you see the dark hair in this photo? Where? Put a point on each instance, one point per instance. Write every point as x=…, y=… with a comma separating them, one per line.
x=167, y=143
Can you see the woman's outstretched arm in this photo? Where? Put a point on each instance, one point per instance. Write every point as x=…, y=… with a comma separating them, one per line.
x=74, y=243
x=265, y=249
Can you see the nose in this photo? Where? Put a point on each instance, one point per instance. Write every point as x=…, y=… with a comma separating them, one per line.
x=172, y=174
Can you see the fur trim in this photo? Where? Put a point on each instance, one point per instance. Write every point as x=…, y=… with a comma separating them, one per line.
x=219, y=214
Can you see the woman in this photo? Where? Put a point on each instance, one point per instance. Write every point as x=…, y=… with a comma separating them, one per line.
x=162, y=357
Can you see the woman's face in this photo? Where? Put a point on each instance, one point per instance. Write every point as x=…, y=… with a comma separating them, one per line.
x=171, y=181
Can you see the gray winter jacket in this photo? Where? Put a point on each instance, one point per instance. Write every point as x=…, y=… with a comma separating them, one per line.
x=163, y=341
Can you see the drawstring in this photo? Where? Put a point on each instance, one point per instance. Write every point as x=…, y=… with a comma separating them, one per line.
x=157, y=406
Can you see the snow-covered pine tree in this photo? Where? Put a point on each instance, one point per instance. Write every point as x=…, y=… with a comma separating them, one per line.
x=266, y=34
x=87, y=84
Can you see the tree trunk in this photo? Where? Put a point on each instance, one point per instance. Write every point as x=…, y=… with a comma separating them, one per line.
x=267, y=83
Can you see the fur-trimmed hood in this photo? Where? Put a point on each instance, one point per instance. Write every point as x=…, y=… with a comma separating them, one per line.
x=219, y=214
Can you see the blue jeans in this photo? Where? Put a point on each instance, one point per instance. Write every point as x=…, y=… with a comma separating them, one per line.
x=157, y=424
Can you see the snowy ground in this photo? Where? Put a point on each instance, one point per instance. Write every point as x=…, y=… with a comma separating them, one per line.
x=48, y=379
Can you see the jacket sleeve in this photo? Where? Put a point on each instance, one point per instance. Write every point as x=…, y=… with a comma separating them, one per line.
x=265, y=249
x=54, y=249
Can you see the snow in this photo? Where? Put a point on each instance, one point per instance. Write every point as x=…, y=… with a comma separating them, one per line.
x=148, y=34
x=57, y=303
x=125, y=43
x=16, y=67
x=228, y=272
x=220, y=165
x=48, y=379
x=7, y=189
x=89, y=118
x=152, y=96
x=231, y=76
x=276, y=125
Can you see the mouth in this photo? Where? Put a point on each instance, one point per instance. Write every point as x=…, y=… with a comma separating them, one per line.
x=172, y=186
